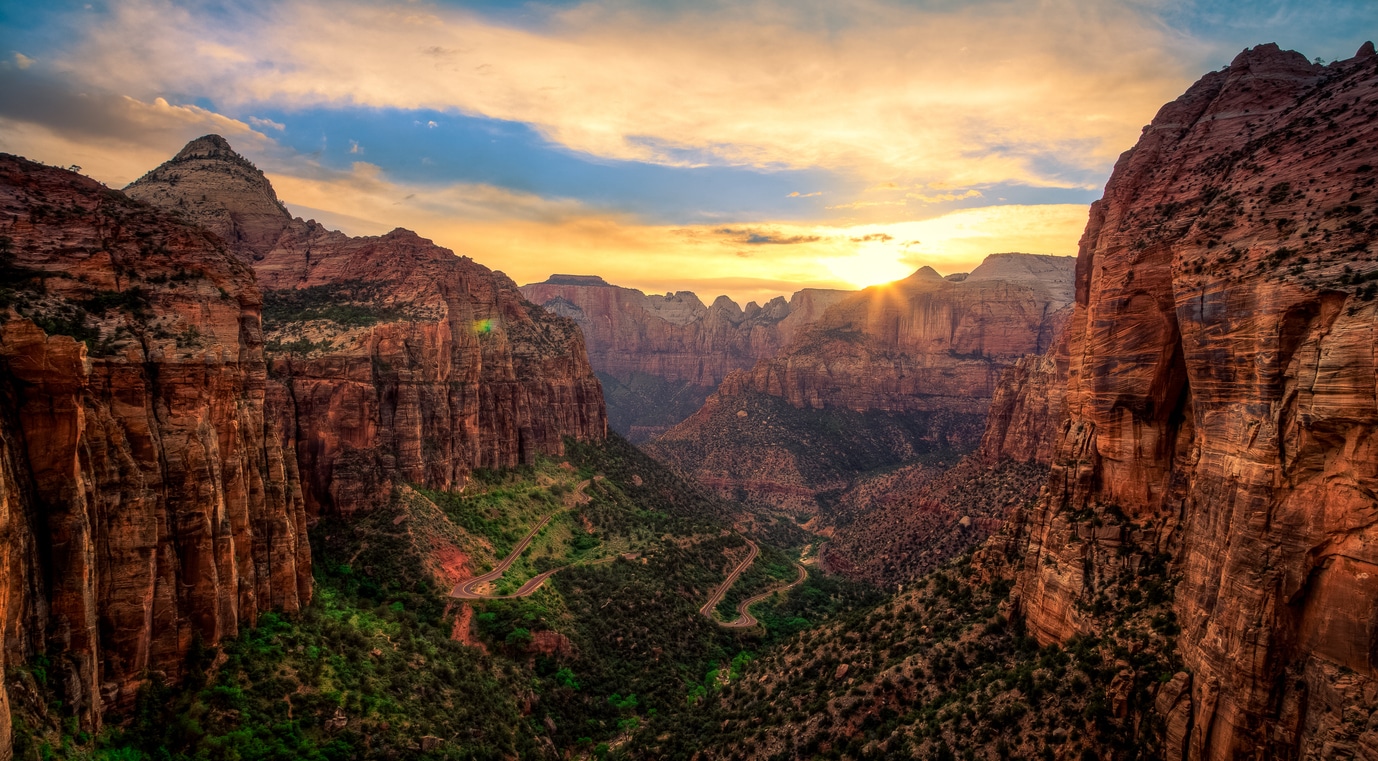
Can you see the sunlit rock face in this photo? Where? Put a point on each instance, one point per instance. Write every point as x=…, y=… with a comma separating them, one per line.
x=146, y=501
x=660, y=356
x=1221, y=396
x=886, y=375
x=395, y=360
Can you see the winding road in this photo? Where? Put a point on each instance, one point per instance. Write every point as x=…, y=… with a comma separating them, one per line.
x=465, y=590
x=468, y=588
x=744, y=617
x=718, y=593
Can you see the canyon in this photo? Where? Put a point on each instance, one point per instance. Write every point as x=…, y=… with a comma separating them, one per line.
x=1161, y=450
x=659, y=357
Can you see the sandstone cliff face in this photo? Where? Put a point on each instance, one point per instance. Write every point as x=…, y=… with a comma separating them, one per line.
x=1222, y=403
x=145, y=500
x=660, y=356
x=886, y=376
x=395, y=360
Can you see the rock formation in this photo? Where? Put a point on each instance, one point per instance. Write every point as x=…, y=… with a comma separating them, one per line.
x=1026, y=411
x=395, y=360
x=1222, y=408
x=885, y=376
x=145, y=499
x=660, y=356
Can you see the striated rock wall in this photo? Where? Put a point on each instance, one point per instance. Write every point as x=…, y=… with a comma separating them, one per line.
x=660, y=356
x=1223, y=398
x=395, y=360
x=145, y=500
x=1026, y=411
x=676, y=337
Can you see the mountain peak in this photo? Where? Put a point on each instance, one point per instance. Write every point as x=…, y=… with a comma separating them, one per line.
x=218, y=189
x=208, y=147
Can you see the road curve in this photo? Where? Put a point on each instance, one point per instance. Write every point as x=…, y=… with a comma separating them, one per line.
x=721, y=591
x=464, y=590
x=744, y=617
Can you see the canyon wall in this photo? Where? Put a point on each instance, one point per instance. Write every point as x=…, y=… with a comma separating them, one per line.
x=660, y=356
x=145, y=499
x=395, y=360
x=891, y=374
x=1222, y=401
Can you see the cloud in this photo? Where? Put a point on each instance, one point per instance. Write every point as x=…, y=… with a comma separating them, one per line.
x=764, y=237
x=881, y=237
x=267, y=124
x=797, y=194
x=928, y=198
x=354, y=147
x=996, y=92
x=867, y=204
x=22, y=61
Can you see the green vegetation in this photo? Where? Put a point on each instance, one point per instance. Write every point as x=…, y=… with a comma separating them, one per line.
x=943, y=669
x=377, y=666
x=351, y=304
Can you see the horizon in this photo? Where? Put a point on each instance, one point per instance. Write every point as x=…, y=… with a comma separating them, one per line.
x=745, y=149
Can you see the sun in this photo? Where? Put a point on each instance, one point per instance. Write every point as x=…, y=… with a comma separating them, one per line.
x=872, y=265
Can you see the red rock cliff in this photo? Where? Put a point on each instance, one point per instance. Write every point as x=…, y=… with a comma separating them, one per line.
x=660, y=356
x=395, y=360
x=1221, y=393
x=145, y=500
x=675, y=336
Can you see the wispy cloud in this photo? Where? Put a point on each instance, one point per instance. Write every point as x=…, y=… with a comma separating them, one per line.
x=267, y=124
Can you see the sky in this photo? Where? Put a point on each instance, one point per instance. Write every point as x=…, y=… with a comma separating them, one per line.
x=746, y=148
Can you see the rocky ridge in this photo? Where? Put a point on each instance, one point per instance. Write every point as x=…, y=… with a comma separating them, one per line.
x=660, y=356
x=396, y=361
x=146, y=502
x=1222, y=407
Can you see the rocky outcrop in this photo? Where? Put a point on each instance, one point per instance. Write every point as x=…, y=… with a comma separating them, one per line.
x=660, y=356
x=145, y=500
x=395, y=360
x=1222, y=408
x=1026, y=411
x=888, y=375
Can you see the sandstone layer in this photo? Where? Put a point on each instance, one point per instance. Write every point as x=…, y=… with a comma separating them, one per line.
x=1222, y=396
x=885, y=376
x=660, y=356
x=145, y=499
x=396, y=360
